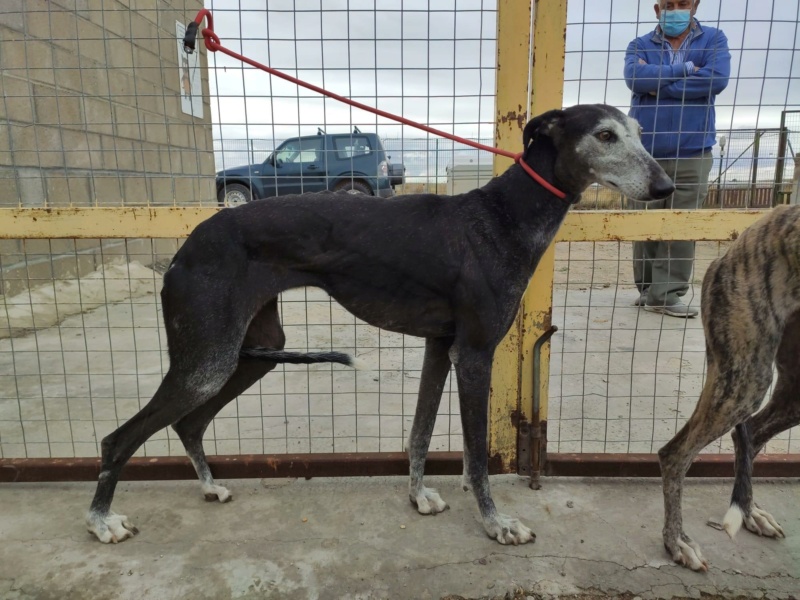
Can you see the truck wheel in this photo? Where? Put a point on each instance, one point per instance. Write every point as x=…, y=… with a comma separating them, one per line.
x=234, y=194
x=355, y=186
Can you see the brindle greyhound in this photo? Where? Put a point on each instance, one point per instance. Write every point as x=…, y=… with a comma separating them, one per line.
x=449, y=269
x=751, y=316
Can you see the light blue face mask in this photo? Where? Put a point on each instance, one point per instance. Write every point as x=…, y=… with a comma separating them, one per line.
x=674, y=22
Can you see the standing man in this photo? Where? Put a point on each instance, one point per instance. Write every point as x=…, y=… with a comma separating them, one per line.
x=675, y=72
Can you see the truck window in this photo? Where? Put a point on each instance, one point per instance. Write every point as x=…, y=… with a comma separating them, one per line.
x=350, y=146
x=305, y=150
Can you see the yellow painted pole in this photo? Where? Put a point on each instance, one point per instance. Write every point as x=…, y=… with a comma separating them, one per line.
x=97, y=223
x=547, y=92
x=511, y=375
x=513, y=66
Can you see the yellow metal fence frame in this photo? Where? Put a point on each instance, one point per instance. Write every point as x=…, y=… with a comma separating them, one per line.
x=178, y=222
x=510, y=388
x=531, y=40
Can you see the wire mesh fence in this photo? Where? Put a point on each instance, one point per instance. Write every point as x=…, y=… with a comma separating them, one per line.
x=80, y=354
x=101, y=108
x=625, y=379
x=94, y=106
x=754, y=165
x=426, y=161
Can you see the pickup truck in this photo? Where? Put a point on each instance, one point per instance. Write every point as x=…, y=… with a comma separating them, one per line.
x=349, y=161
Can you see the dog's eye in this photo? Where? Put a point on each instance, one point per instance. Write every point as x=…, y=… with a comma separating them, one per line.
x=605, y=136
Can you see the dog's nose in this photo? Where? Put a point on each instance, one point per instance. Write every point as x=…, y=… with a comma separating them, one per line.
x=661, y=188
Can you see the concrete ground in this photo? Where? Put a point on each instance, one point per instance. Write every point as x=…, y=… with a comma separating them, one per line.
x=361, y=539
x=621, y=379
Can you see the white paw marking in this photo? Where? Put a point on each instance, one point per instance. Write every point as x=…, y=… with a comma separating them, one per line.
x=217, y=492
x=689, y=555
x=733, y=520
x=763, y=523
x=428, y=501
x=110, y=529
x=508, y=530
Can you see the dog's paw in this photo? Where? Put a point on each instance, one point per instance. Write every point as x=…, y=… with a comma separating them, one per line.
x=757, y=521
x=465, y=483
x=428, y=501
x=762, y=523
x=112, y=528
x=213, y=493
x=508, y=530
x=687, y=554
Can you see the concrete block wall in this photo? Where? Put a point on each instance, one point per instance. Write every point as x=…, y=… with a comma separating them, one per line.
x=90, y=112
x=90, y=115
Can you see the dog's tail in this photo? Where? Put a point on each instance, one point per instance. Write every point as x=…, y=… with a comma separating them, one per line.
x=302, y=358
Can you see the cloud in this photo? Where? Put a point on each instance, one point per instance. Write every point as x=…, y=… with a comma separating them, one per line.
x=763, y=38
x=436, y=65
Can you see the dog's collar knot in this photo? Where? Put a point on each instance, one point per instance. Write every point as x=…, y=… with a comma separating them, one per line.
x=538, y=178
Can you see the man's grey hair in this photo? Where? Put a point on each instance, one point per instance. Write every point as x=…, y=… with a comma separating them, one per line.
x=661, y=3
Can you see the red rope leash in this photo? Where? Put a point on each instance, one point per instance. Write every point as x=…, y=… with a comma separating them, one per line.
x=213, y=44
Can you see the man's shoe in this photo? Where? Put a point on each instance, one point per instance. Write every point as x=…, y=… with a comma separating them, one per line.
x=676, y=309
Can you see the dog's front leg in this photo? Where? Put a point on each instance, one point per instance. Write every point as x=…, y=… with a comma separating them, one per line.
x=474, y=371
x=435, y=368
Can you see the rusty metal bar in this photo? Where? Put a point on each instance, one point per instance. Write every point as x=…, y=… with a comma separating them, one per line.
x=646, y=465
x=374, y=464
x=236, y=467
x=536, y=440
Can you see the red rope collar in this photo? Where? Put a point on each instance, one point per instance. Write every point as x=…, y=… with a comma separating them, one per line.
x=213, y=44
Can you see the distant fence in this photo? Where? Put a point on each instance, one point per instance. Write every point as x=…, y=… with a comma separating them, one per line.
x=746, y=158
x=761, y=195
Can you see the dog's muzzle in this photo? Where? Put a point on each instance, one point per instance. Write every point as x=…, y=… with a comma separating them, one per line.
x=662, y=187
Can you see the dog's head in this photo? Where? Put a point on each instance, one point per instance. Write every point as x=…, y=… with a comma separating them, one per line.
x=597, y=143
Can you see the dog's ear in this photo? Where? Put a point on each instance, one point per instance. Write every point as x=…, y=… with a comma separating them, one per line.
x=543, y=125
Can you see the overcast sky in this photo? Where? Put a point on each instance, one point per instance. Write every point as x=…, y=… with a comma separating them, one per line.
x=433, y=61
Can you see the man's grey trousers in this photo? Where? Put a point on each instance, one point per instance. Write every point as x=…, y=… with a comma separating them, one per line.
x=664, y=269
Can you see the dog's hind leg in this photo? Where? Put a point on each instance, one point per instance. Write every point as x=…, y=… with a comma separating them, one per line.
x=174, y=398
x=192, y=427
x=743, y=510
x=728, y=398
x=465, y=472
x=265, y=331
x=435, y=367
x=781, y=413
x=474, y=372
x=206, y=315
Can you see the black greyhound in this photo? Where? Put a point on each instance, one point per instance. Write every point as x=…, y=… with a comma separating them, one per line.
x=450, y=269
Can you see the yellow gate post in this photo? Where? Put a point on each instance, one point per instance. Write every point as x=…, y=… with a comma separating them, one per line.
x=512, y=385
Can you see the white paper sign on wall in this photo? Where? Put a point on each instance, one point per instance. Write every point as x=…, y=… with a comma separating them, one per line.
x=191, y=90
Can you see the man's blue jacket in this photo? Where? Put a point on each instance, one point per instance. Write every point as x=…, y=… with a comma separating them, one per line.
x=674, y=106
